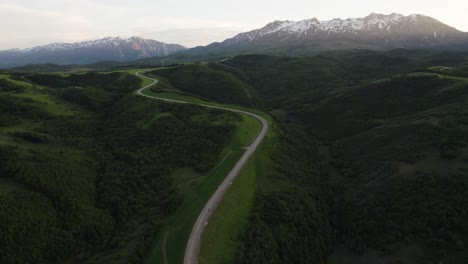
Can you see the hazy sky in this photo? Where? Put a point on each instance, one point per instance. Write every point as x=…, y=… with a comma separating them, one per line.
x=26, y=23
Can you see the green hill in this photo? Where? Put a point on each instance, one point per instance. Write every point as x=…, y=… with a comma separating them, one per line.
x=86, y=166
x=209, y=81
x=388, y=130
x=366, y=162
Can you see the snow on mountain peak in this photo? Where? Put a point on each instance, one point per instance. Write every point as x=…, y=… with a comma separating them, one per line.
x=370, y=23
x=113, y=41
x=275, y=26
x=104, y=49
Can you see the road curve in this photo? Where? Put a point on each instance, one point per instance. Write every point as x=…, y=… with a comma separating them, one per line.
x=194, y=242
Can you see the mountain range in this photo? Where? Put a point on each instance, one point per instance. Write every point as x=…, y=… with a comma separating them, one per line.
x=375, y=31
x=106, y=49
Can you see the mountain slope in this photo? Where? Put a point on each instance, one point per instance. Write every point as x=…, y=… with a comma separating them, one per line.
x=114, y=49
x=373, y=31
x=393, y=158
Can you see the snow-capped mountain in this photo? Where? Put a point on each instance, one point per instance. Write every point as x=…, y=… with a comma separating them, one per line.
x=373, y=31
x=375, y=24
x=106, y=49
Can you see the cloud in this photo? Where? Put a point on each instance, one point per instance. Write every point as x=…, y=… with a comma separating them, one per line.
x=30, y=13
x=31, y=26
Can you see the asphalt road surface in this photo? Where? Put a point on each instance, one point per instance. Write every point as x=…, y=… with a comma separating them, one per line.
x=193, y=245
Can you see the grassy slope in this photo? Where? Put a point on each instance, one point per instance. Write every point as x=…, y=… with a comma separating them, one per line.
x=37, y=98
x=195, y=194
x=46, y=102
x=222, y=236
x=197, y=191
x=203, y=80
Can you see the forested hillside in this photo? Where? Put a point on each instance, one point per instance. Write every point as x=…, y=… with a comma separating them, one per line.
x=368, y=158
x=290, y=220
x=385, y=179
x=85, y=166
x=215, y=81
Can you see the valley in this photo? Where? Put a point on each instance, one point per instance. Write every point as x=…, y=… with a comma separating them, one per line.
x=387, y=118
x=402, y=112
x=194, y=240
x=208, y=182
x=311, y=139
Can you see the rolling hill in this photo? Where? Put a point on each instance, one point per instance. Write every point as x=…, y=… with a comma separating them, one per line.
x=388, y=129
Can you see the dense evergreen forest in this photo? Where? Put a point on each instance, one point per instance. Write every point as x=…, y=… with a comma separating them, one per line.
x=373, y=153
x=85, y=165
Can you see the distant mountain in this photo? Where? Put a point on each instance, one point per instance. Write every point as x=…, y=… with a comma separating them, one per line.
x=106, y=49
x=375, y=31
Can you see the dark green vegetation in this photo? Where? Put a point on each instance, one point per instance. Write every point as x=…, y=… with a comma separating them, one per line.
x=289, y=222
x=196, y=188
x=86, y=166
x=366, y=162
x=214, y=81
x=372, y=160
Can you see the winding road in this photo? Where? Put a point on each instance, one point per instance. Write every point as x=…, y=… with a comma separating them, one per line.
x=194, y=242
